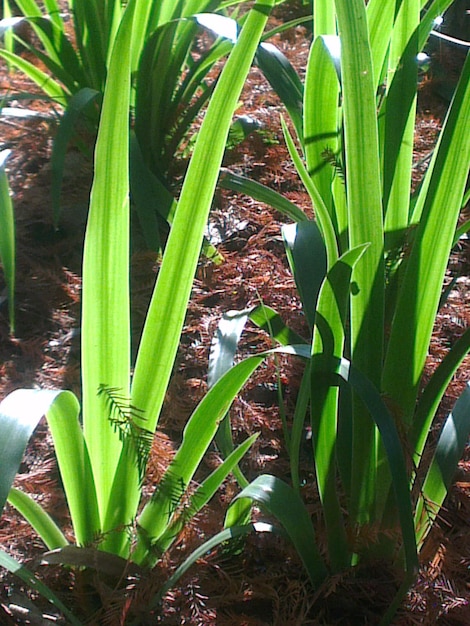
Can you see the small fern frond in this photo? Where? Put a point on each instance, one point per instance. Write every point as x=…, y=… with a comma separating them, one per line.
x=123, y=416
x=332, y=158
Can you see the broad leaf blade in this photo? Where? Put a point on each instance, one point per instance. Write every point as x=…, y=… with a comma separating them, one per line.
x=20, y=413
x=105, y=312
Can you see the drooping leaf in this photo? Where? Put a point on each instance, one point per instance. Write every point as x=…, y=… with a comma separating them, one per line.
x=32, y=581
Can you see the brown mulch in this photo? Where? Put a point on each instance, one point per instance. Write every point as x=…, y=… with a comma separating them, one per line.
x=265, y=583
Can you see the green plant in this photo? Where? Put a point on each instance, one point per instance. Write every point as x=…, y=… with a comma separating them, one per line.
x=170, y=84
x=7, y=237
x=370, y=272
x=76, y=67
x=102, y=454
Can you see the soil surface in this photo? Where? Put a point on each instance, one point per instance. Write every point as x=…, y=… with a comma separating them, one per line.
x=265, y=583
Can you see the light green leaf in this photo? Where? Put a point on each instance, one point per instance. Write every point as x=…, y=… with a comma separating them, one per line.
x=105, y=302
x=197, y=436
x=40, y=521
x=168, y=306
x=437, y=210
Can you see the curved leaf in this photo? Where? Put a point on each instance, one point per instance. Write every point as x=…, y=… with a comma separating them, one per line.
x=307, y=257
x=284, y=80
x=261, y=193
x=197, y=436
x=450, y=446
x=271, y=322
x=30, y=579
x=225, y=343
x=225, y=535
x=20, y=413
x=285, y=504
x=37, y=517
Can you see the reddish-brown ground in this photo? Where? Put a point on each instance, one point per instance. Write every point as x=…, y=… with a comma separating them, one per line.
x=264, y=584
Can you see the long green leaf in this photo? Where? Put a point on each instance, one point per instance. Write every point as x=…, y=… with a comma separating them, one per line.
x=437, y=210
x=321, y=133
x=75, y=466
x=321, y=212
x=50, y=86
x=365, y=227
x=378, y=411
x=328, y=341
x=105, y=307
x=197, y=435
x=7, y=238
x=399, y=118
x=167, y=310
